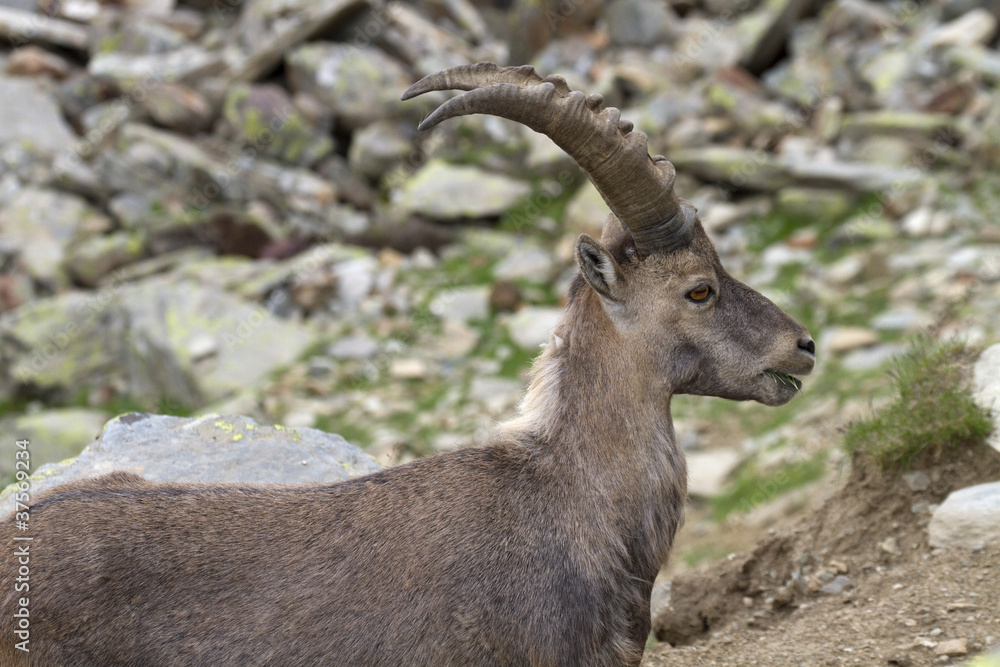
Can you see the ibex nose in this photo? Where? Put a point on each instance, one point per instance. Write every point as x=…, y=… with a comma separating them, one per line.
x=807, y=345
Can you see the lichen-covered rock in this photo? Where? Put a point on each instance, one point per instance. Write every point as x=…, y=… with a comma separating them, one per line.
x=95, y=257
x=41, y=223
x=178, y=108
x=212, y=448
x=361, y=85
x=35, y=121
x=130, y=71
x=55, y=435
x=378, y=148
x=449, y=192
x=266, y=120
x=162, y=338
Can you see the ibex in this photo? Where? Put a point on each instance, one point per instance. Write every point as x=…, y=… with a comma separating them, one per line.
x=538, y=547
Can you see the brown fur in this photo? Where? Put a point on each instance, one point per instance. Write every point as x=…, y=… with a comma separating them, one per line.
x=538, y=548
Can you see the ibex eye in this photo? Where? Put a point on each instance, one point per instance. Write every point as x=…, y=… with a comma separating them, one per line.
x=700, y=293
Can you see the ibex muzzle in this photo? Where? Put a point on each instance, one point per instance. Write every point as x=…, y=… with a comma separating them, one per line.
x=537, y=548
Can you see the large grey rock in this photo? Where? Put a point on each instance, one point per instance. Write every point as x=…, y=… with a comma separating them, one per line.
x=213, y=448
x=968, y=518
x=35, y=121
x=195, y=344
x=360, y=85
x=986, y=387
x=448, y=192
x=163, y=338
x=55, y=435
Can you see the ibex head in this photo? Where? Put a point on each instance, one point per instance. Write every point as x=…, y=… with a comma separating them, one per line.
x=655, y=275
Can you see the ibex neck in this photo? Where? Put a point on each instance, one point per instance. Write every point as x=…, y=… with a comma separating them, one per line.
x=595, y=397
x=602, y=423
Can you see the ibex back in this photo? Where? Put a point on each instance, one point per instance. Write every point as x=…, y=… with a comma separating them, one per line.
x=538, y=547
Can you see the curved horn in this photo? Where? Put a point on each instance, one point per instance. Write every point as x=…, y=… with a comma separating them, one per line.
x=637, y=188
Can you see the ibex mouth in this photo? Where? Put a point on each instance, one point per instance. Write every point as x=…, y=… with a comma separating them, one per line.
x=784, y=378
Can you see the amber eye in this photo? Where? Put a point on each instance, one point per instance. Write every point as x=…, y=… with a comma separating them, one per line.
x=700, y=293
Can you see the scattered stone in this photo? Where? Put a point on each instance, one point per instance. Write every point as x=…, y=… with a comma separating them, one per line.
x=814, y=203
x=531, y=326
x=129, y=71
x=42, y=224
x=178, y=107
x=586, y=211
x=953, y=647
x=906, y=319
x=213, y=448
x=447, y=192
x=264, y=117
x=639, y=22
x=973, y=28
x=92, y=259
x=360, y=85
x=967, y=518
x=837, y=585
x=917, y=480
x=534, y=264
x=33, y=61
x=890, y=546
x=708, y=471
x=463, y=304
x=36, y=121
x=843, y=339
x=378, y=148
x=497, y=395
x=353, y=347
x=408, y=369
x=18, y=27
x=267, y=31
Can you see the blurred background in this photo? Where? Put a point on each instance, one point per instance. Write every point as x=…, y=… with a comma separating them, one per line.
x=223, y=206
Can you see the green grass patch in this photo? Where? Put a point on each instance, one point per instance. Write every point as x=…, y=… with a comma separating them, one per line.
x=932, y=409
x=354, y=434
x=753, y=488
x=705, y=552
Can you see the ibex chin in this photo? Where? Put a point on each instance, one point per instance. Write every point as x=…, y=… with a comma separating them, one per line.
x=538, y=547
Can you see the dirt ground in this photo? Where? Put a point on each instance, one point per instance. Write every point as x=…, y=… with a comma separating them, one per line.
x=903, y=603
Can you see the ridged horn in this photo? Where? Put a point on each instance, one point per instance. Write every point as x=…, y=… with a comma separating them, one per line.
x=637, y=188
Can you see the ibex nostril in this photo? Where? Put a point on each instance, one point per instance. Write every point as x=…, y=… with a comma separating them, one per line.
x=807, y=345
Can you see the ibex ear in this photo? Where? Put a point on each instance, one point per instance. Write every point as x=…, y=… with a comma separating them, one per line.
x=599, y=268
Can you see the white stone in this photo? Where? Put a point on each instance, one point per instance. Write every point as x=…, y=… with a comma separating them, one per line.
x=531, y=326
x=462, y=304
x=973, y=27
x=708, y=471
x=844, y=339
x=353, y=347
x=530, y=263
x=968, y=518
